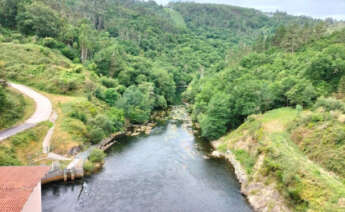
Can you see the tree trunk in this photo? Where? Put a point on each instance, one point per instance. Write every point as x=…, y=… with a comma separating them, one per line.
x=84, y=53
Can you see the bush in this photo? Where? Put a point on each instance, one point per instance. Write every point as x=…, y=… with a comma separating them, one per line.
x=97, y=156
x=109, y=82
x=303, y=93
x=96, y=135
x=79, y=115
x=161, y=102
x=102, y=122
x=330, y=104
x=117, y=117
x=70, y=53
x=246, y=159
x=111, y=96
x=52, y=43
x=88, y=166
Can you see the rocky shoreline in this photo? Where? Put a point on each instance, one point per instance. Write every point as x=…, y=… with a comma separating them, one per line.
x=261, y=196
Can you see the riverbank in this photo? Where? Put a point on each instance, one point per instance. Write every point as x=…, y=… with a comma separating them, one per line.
x=75, y=169
x=261, y=196
x=165, y=171
x=275, y=173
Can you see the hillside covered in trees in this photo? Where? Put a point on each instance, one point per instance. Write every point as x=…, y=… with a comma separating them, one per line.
x=291, y=72
x=107, y=64
x=145, y=55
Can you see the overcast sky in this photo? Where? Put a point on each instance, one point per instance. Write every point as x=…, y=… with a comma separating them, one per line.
x=314, y=8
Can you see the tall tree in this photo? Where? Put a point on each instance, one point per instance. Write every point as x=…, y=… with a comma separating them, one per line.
x=86, y=41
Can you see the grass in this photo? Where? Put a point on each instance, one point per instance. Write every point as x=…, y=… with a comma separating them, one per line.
x=29, y=108
x=69, y=131
x=18, y=109
x=321, y=136
x=62, y=140
x=63, y=82
x=304, y=183
x=246, y=159
x=25, y=147
x=44, y=69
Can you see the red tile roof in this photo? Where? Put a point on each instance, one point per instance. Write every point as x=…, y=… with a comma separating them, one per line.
x=16, y=185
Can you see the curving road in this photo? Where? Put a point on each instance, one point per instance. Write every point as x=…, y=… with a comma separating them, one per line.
x=42, y=113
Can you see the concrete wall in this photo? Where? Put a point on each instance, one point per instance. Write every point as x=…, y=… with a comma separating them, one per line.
x=34, y=203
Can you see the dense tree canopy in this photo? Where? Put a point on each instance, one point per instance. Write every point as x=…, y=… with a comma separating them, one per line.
x=263, y=81
x=145, y=55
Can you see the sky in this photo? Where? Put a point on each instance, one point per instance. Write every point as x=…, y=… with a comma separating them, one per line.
x=313, y=8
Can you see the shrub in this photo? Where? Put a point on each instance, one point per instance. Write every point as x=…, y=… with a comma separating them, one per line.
x=109, y=83
x=299, y=108
x=52, y=43
x=97, y=156
x=161, y=102
x=117, y=118
x=317, y=117
x=76, y=128
x=339, y=136
x=18, y=140
x=69, y=52
x=79, y=115
x=330, y=104
x=246, y=159
x=88, y=166
x=102, y=122
x=111, y=96
x=303, y=93
x=96, y=135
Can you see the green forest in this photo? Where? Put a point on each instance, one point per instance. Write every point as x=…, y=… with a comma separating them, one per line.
x=144, y=55
x=122, y=60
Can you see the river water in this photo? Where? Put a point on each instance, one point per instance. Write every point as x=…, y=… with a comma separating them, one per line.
x=168, y=170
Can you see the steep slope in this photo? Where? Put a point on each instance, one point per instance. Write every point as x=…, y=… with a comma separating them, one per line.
x=77, y=114
x=272, y=162
x=231, y=23
x=266, y=80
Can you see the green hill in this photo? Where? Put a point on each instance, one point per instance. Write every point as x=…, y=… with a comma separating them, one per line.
x=113, y=63
x=278, y=156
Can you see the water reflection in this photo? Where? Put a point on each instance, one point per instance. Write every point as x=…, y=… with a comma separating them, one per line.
x=166, y=171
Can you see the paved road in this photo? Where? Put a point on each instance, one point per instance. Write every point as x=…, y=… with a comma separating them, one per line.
x=43, y=110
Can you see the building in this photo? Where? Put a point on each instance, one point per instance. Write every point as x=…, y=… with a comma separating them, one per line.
x=20, y=188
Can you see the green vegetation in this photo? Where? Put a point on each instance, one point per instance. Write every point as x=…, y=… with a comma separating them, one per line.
x=136, y=56
x=108, y=64
x=320, y=134
x=89, y=122
x=97, y=156
x=246, y=159
x=265, y=80
x=24, y=148
x=14, y=107
x=304, y=184
x=88, y=167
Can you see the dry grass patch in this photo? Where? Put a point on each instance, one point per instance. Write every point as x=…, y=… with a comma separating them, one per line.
x=62, y=141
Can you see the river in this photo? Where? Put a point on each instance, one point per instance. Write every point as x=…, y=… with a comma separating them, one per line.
x=169, y=170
